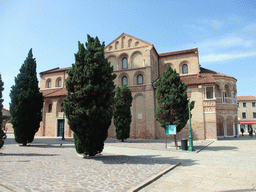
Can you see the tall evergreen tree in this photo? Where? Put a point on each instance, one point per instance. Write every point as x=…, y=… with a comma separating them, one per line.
x=26, y=102
x=88, y=105
x=1, y=107
x=122, y=112
x=172, y=101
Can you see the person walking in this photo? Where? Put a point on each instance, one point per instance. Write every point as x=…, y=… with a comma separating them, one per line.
x=250, y=131
x=242, y=131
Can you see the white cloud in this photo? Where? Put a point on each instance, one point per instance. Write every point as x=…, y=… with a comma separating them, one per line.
x=226, y=43
x=214, y=23
x=222, y=57
x=250, y=28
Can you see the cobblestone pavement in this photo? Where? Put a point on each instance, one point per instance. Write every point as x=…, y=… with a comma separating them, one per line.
x=48, y=166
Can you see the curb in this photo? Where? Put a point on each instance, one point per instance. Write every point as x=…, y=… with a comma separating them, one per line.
x=152, y=179
x=5, y=188
x=204, y=147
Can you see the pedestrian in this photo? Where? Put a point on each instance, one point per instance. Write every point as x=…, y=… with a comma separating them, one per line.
x=242, y=130
x=250, y=131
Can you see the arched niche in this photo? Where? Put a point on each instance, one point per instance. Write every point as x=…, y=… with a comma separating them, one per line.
x=137, y=59
x=112, y=60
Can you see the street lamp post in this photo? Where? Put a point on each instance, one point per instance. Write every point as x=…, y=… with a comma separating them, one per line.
x=191, y=147
x=63, y=127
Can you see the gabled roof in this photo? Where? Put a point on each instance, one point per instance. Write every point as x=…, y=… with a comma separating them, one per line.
x=246, y=98
x=194, y=50
x=55, y=70
x=124, y=34
x=54, y=92
x=214, y=73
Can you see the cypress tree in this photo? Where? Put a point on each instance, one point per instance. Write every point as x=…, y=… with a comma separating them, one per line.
x=172, y=101
x=122, y=112
x=26, y=102
x=1, y=107
x=88, y=104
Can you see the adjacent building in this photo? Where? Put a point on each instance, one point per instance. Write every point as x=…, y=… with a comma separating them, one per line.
x=138, y=65
x=247, y=111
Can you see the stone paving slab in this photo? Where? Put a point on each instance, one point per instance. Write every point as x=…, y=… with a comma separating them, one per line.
x=224, y=166
x=49, y=166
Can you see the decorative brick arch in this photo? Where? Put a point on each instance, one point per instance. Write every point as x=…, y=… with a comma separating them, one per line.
x=122, y=42
x=136, y=59
x=228, y=88
x=229, y=125
x=130, y=43
x=112, y=59
x=116, y=45
x=57, y=82
x=120, y=78
x=120, y=60
x=220, y=128
x=46, y=106
x=135, y=77
x=47, y=83
x=185, y=62
x=58, y=108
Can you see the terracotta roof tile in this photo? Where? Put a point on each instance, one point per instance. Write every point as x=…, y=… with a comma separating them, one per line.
x=197, y=80
x=54, y=92
x=55, y=70
x=246, y=98
x=179, y=52
x=214, y=73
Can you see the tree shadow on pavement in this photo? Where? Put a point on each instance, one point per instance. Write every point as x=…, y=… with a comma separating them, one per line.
x=142, y=159
x=245, y=137
x=220, y=148
x=27, y=154
x=239, y=190
x=52, y=146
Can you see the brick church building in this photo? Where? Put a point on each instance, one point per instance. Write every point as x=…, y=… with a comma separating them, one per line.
x=138, y=65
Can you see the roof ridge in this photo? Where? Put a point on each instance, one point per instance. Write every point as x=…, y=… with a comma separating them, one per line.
x=129, y=36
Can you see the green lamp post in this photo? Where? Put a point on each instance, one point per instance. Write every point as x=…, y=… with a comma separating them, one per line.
x=63, y=126
x=190, y=138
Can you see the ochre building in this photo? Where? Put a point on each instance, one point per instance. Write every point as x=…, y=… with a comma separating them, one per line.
x=138, y=65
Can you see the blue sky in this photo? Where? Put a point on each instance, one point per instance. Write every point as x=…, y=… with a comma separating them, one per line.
x=223, y=30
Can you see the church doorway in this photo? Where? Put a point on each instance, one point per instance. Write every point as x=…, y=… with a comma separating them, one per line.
x=60, y=128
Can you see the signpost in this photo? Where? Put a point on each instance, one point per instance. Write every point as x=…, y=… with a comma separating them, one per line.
x=170, y=130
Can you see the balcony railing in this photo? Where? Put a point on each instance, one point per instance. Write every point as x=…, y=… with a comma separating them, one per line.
x=227, y=100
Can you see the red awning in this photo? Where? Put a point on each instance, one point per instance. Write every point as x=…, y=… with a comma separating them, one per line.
x=247, y=122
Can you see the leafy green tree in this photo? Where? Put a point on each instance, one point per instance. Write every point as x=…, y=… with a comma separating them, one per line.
x=122, y=112
x=172, y=101
x=26, y=102
x=1, y=115
x=88, y=105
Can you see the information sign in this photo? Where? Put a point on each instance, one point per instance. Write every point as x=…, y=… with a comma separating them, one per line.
x=170, y=130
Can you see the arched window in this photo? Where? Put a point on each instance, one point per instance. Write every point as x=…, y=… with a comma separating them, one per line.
x=124, y=80
x=184, y=68
x=59, y=83
x=50, y=108
x=140, y=79
x=61, y=108
x=49, y=84
x=125, y=65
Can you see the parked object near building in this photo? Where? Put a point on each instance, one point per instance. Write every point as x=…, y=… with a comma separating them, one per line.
x=247, y=112
x=138, y=65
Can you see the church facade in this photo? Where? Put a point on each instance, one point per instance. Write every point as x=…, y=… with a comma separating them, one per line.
x=138, y=65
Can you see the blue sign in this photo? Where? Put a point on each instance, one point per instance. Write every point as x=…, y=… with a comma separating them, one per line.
x=170, y=130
